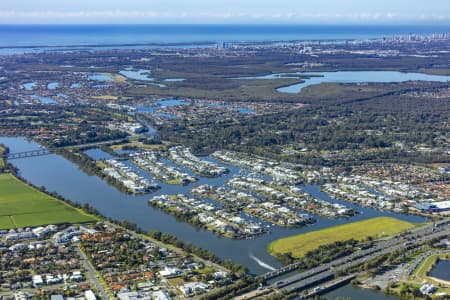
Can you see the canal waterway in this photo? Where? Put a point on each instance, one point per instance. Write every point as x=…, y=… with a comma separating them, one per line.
x=62, y=176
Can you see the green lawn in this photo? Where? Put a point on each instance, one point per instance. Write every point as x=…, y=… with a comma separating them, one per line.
x=22, y=205
x=300, y=244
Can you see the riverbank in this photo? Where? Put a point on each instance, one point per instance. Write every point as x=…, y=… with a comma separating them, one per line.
x=299, y=245
x=25, y=206
x=445, y=282
x=64, y=177
x=192, y=266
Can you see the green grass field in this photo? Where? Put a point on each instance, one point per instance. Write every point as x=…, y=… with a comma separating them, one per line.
x=6, y=222
x=22, y=206
x=300, y=244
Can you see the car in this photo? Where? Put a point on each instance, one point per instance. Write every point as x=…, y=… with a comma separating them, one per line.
x=278, y=283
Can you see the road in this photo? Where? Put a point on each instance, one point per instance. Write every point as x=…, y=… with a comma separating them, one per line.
x=175, y=249
x=43, y=152
x=91, y=273
x=302, y=280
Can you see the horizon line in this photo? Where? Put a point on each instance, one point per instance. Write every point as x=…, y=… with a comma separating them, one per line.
x=236, y=24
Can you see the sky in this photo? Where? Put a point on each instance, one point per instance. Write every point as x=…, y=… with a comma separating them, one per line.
x=225, y=12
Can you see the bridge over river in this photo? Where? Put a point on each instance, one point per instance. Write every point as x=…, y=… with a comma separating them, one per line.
x=47, y=151
x=287, y=279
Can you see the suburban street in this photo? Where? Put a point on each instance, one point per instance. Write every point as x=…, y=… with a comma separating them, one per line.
x=91, y=273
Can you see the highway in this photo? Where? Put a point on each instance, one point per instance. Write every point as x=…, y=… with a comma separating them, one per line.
x=412, y=238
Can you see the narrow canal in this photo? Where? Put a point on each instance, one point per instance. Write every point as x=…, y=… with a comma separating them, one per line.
x=62, y=176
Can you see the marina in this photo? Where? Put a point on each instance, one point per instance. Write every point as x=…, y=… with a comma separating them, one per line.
x=48, y=171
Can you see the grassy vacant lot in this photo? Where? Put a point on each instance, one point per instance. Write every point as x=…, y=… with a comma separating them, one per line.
x=22, y=206
x=300, y=244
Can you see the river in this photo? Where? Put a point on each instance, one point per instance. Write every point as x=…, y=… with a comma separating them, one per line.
x=57, y=174
x=62, y=176
x=346, y=77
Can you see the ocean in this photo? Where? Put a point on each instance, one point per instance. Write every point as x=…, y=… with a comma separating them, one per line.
x=18, y=36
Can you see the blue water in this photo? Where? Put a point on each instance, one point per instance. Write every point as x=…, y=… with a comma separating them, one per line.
x=346, y=77
x=349, y=291
x=100, y=86
x=29, y=86
x=161, y=104
x=52, y=85
x=174, y=79
x=100, y=77
x=36, y=36
x=44, y=100
x=64, y=177
x=441, y=270
x=245, y=110
x=137, y=74
x=360, y=76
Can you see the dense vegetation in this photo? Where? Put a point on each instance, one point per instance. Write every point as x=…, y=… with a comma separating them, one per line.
x=382, y=126
x=189, y=248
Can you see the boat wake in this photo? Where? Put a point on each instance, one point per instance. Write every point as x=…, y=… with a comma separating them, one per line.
x=261, y=263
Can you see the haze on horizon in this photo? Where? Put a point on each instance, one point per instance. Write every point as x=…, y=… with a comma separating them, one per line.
x=225, y=12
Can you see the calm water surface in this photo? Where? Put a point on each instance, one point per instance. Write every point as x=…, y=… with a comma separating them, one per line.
x=347, y=77
x=20, y=39
x=29, y=86
x=100, y=77
x=44, y=100
x=59, y=175
x=137, y=74
x=441, y=270
x=52, y=85
x=360, y=76
x=357, y=293
x=82, y=35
